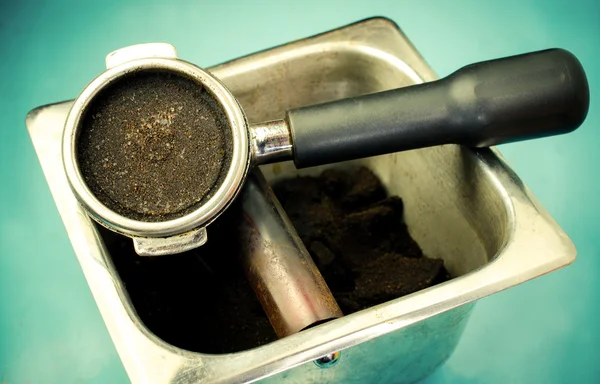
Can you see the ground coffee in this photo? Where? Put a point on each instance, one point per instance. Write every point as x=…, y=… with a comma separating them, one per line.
x=154, y=145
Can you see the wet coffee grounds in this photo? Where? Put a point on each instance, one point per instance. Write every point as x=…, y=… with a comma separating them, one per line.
x=357, y=236
x=154, y=145
x=355, y=232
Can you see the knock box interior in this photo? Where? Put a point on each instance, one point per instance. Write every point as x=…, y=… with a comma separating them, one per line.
x=452, y=206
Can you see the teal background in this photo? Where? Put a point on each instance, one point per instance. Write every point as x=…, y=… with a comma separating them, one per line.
x=544, y=331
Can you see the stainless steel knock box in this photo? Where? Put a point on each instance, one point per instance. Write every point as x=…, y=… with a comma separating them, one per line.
x=465, y=206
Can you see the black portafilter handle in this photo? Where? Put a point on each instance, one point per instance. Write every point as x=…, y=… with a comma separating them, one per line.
x=488, y=103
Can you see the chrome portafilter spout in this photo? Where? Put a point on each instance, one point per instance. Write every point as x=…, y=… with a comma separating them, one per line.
x=156, y=148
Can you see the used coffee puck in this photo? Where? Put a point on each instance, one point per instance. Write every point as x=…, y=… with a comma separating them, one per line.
x=154, y=146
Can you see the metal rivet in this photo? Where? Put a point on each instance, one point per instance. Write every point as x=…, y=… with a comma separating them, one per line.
x=328, y=361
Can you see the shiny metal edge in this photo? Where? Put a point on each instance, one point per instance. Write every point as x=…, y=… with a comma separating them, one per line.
x=149, y=360
x=138, y=51
x=164, y=246
x=270, y=142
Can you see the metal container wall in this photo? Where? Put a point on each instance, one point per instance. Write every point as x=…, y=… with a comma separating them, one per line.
x=465, y=206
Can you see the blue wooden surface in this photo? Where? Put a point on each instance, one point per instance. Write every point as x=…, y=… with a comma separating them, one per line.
x=545, y=331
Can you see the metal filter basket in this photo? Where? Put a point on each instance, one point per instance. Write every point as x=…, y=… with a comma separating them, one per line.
x=465, y=206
